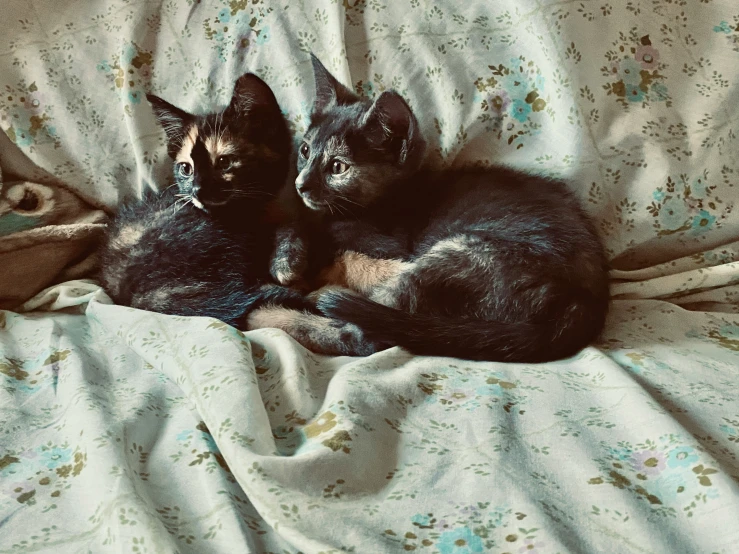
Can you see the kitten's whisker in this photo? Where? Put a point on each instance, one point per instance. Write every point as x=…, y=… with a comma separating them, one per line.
x=240, y=193
x=345, y=199
x=252, y=194
x=181, y=202
x=187, y=201
x=347, y=208
x=349, y=211
x=221, y=127
x=244, y=186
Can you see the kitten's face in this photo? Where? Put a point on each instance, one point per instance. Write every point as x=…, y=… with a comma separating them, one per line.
x=237, y=157
x=355, y=150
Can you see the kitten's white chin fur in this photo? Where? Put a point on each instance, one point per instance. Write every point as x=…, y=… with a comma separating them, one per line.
x=313, y=205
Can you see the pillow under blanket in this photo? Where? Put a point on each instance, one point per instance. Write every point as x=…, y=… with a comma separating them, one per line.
x=48, y=233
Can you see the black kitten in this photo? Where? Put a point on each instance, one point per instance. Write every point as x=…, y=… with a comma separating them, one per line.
x=487, y=264
x=205, y=250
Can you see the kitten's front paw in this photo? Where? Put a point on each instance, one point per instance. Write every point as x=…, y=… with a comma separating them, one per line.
x=289, y=259
x=285, y=277
x=287, y=272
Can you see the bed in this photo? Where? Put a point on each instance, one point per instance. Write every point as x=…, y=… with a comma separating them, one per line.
x=128, y=431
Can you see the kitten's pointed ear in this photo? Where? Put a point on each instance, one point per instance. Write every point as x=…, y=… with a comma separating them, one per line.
x=173, y=120
x=390, y=123
x=328, y=90
x=250, y=92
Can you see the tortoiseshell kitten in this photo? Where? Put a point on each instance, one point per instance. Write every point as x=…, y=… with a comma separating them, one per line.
x=483, y=264
x=205, y=251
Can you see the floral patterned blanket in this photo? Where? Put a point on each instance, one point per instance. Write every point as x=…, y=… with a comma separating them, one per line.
x=126, y=431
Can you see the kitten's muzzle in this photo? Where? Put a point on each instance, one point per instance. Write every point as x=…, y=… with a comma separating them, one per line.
x=306, y=189
x=314, y=205
x=311, y=201
x=303, y=188
x=308, y=195
x=211, y=199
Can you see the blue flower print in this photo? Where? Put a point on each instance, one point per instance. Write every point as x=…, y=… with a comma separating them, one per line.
x=134, y=96
x=682, y=456
x=22, y=137
x=673, y=213
x=28, y=388
x=667, y=487
x=699, y=188
x=224, y=16
x=210, y=441
x=490, y=390
x=55, y=457
x=634, y=93
x=128, y=54
x=629, y=70
x=658, y=195
x=185, y=435
x=459, y=541
x=658, y=92
x=728, y=430
x=422, y=520
x=723, y=27
x=622, y=454
x=520, y=110
x=264, y=35
x=730, y=331
x=514, y=84
x=702, y=222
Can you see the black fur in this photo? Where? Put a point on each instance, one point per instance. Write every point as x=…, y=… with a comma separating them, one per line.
x=253, y=125
x=500, y=265
x=166, y=255
x=463, y=337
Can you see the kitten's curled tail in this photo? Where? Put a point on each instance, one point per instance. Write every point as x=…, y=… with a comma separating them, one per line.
x=471, y=338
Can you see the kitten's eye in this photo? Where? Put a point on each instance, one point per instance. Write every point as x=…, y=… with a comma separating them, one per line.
x=185, y=169
x=304, y=150
x=223, y=163
x=337, y=168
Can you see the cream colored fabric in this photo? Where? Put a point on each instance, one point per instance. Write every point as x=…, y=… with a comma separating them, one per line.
x=126, y=431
